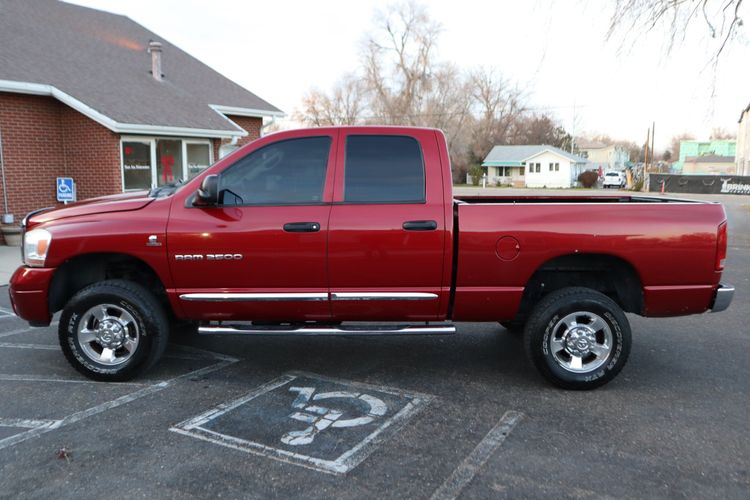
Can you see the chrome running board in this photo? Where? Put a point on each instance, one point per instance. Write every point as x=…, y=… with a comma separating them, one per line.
x=356, y=329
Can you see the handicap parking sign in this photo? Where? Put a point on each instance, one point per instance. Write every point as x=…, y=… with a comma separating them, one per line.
x=66, y=189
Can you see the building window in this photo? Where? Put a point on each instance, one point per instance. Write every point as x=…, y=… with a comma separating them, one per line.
x=136, y=165
x=555, y=167
x=198, y=158
x=535, y=168
x=152, y=161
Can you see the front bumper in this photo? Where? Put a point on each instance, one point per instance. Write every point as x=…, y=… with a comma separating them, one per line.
x=723, y=298
x=28, y=291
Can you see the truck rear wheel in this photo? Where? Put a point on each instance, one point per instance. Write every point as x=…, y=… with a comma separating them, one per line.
x=113, y=330
x=578, y=338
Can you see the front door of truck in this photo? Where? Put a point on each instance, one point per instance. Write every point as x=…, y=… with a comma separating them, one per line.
x=387, y=227
x=261, y=253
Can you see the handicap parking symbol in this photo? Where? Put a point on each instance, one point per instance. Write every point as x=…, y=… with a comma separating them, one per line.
x=320, y=423
x=66, y=189
x=321, y=417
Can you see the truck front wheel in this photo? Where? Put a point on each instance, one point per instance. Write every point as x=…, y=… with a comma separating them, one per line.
x=113, y=330
x=577, y=338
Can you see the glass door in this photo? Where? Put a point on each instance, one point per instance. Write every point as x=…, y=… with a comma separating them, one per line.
x=168, y=161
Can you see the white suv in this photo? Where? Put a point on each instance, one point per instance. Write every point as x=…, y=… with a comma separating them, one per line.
x=614, y=179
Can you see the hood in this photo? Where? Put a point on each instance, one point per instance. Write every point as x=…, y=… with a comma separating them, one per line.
x=124, y=202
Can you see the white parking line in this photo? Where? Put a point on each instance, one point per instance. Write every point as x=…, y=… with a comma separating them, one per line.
x=41, y=347
x=195, y=426
x=23, y=330
x=24, y=423
x=7, y=311
x=15, y=332
x=7, y=377
x=472, y=464
x=222, y=362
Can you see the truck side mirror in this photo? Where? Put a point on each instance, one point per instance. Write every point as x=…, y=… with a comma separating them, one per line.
x=208, y=193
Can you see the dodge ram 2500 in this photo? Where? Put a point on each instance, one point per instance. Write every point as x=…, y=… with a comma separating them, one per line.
x=313, y=232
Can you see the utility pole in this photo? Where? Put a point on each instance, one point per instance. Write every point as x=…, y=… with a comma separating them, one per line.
x=653, y=131
x=645, y=154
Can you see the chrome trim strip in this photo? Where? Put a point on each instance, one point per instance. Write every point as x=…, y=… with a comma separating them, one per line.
x=383, y=296
x=724, y=296
x=245, y=297
x=439, y=329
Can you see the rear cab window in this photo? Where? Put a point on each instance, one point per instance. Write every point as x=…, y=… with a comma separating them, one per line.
x=383, y=169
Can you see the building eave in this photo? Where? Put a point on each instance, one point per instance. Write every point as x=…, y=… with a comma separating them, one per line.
x=575, y=160
x=502, y=164
x=113, y=125
x=249, y=112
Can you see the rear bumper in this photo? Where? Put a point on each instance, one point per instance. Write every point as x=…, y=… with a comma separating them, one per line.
x=723, y=297
x=29, y=294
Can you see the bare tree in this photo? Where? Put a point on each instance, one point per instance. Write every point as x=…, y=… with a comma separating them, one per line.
x=399, y=63
x=542, y=129
x=721, y=20
x=675, y=144
x=498, y=106
x=343, y=106
x=401, y=82
x=720, y=133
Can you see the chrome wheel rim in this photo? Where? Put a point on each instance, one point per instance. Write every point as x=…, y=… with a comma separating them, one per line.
x=108, y=334
x=581, y=342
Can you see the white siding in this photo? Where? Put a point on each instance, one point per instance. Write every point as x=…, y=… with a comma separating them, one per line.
x=743, y=145
x=547, y=177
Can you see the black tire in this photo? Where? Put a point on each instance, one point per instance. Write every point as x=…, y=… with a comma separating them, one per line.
x=134, y=313
x=184, y=328
x=548, y=341
x=514, y=327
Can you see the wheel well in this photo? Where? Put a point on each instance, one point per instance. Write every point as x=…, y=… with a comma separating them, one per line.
x=84, y=270
x=609, y=275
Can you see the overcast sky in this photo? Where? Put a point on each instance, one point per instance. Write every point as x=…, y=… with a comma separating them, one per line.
x=554, y=49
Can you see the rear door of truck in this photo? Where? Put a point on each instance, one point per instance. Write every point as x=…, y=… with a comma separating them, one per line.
x=387, y=230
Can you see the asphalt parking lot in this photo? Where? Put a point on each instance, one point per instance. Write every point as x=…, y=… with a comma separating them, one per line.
x=417, y=417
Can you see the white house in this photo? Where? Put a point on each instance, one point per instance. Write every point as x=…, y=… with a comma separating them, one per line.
x=742, y=155
x=600, y=155
x=533, y=166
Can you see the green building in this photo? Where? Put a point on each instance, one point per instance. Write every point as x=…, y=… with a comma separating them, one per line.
x=690, y=149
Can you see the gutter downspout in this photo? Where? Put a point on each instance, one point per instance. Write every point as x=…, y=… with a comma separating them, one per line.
x=5, y=187
x=263, y=127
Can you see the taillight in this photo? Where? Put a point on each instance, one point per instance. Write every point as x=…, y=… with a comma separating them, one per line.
x=721, y=246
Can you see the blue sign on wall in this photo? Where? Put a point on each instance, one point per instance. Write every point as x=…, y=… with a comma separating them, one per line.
x=66, y=189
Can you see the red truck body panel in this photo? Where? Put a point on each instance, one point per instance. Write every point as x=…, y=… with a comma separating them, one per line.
x=672, y=253
x=473, y=265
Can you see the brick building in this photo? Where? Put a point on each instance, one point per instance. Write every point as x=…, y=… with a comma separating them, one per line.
x=95, y=96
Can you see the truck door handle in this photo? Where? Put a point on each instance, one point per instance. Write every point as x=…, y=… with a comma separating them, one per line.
x=420, y=225
x=302, y=227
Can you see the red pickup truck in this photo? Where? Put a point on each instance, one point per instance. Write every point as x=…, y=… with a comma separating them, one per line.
x=313, y=232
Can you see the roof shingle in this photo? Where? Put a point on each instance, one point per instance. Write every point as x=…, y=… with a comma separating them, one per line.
x=101, y=59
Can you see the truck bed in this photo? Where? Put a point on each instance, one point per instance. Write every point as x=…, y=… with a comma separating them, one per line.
x=668, y=245
x=473, y=200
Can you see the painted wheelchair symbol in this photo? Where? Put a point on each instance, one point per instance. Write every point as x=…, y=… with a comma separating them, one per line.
x=63, y=187
x=321, y=418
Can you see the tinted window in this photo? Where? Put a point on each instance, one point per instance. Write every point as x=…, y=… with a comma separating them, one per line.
x=383, y=168
x=285, y=172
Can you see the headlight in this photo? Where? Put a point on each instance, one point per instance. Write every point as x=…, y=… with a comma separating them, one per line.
x=35, y=245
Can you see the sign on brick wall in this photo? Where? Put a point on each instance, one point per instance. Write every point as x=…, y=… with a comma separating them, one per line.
x=66, y=189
